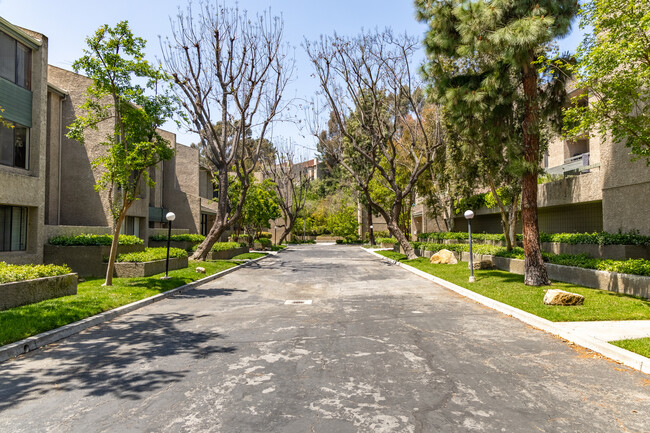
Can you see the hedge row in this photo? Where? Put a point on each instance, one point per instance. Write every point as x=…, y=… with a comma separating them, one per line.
x=629, y=266
x=11, y=273
x=94, y=240
x=151, y=254
x=186, y=237
x=385, y=241
x=599, y=238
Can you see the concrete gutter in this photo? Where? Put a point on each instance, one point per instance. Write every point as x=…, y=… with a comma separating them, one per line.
x=615, y=353
x=12, y=350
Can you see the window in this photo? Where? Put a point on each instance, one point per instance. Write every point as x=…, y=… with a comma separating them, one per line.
x=204, y=224
x=13, y=228
x=14, y=146
x=131, y=226
x=15, y=61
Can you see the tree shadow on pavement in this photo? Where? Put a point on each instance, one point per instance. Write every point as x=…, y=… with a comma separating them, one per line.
x=124, y=358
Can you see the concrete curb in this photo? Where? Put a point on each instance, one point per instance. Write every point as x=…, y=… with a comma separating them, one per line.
x=615, y=353
x=12, y=350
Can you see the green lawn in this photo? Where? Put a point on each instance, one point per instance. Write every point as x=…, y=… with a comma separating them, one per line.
x=249, y=256
x=510, y=289
x=640, y=346
x=91, y=298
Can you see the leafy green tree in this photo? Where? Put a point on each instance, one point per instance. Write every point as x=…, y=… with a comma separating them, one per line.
x=114, y=61
x=613, y=65
x=260, y=207
x=484, y=45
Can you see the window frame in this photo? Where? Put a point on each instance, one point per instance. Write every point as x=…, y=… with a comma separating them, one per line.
x=27, y=84
x=27, y=145
x=23, y=226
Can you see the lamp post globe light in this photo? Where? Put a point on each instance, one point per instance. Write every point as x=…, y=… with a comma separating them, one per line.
x=170, y=217
x=468, y=216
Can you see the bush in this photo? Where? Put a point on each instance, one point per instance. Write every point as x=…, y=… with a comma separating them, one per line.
x=266, y=235
x=151, y=254
x=186, y=237
x=224, y=246
x=11, y=273
x=349, y=242
x=300, y=241
x=386, y=241
x=265, y=242
x=94, y=240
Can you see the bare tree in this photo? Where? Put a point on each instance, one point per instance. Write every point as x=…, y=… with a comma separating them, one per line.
x=291, y=184
x=368, y=84
x=230, y=72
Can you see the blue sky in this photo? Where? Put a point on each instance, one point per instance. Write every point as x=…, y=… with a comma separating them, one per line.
x=67, y=23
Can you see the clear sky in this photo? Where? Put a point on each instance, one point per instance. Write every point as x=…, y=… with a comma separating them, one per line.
x=66, y=23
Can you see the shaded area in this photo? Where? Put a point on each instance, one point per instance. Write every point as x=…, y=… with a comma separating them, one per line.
x=120, y=359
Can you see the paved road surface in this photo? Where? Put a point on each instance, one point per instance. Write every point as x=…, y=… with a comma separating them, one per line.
x=379, y=350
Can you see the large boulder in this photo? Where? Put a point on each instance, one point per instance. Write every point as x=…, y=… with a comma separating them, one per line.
x=560, y=297
x=444, y=257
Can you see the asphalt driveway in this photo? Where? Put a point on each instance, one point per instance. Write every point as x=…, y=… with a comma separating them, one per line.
x=377, y=350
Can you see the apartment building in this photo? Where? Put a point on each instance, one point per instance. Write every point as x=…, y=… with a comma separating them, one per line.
x=23, y=96
x=591, y=185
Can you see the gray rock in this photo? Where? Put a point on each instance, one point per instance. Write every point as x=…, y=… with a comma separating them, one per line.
x=200, y=270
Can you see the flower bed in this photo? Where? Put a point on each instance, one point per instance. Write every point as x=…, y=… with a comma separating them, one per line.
x=26, y=284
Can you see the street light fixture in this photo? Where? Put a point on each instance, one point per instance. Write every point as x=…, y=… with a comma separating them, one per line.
x=171, y=216
x=371, y=235
x=468, y=216
x=275, y=234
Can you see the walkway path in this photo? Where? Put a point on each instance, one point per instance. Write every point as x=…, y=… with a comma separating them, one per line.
x=378, y=350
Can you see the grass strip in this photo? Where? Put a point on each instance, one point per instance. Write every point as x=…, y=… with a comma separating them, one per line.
x=91, y=298
x=510, y=289
x=638, y=345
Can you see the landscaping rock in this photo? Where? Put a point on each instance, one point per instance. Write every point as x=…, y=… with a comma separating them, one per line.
x=560, y=297
x=444, y=257
x=200, y=270
x=483, y=264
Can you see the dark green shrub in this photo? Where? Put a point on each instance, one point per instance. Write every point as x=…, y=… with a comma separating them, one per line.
x=94, y=240
x=185, y=237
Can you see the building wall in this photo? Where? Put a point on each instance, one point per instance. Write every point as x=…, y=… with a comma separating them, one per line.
x=26, y=188
x=626, y=190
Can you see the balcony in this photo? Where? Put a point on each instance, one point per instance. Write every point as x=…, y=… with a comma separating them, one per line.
x=575, y=165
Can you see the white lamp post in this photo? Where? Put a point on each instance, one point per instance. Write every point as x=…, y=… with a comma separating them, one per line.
x=468, y=216
x=171, y=216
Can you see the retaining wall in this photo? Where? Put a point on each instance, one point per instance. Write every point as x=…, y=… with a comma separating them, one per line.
x=87, y=261
x=36, y=290
x=227, y=254
x=146, y=269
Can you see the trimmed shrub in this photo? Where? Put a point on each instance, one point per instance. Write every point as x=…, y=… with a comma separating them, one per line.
x=185, y=237
x=94, y=240
x=12, y=273
x=151, y=254
x=266, y=235
x=385, y=241
x=265, y=242
x=224, y=246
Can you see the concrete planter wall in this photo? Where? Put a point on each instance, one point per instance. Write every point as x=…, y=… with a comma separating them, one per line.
x=227, y=254
x=31, y=291
x=183, y=245
x=614, y=252
x=87, y=261
x=146, y=269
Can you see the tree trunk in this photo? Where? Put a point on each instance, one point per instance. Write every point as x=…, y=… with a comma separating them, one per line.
x=401, y=238
x=371, y=233
x=534, y=269
x=110, y=268
x=288, y=228
x=220, y=222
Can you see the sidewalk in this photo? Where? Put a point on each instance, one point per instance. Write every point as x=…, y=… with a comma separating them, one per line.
x=591, y=335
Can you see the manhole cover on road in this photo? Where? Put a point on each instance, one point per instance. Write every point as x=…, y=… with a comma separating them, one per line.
x=298, y=302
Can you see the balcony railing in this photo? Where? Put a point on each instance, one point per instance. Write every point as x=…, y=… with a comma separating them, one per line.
x=574, y=165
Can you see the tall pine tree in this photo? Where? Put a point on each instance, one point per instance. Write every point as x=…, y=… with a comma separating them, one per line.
x=484, y=44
